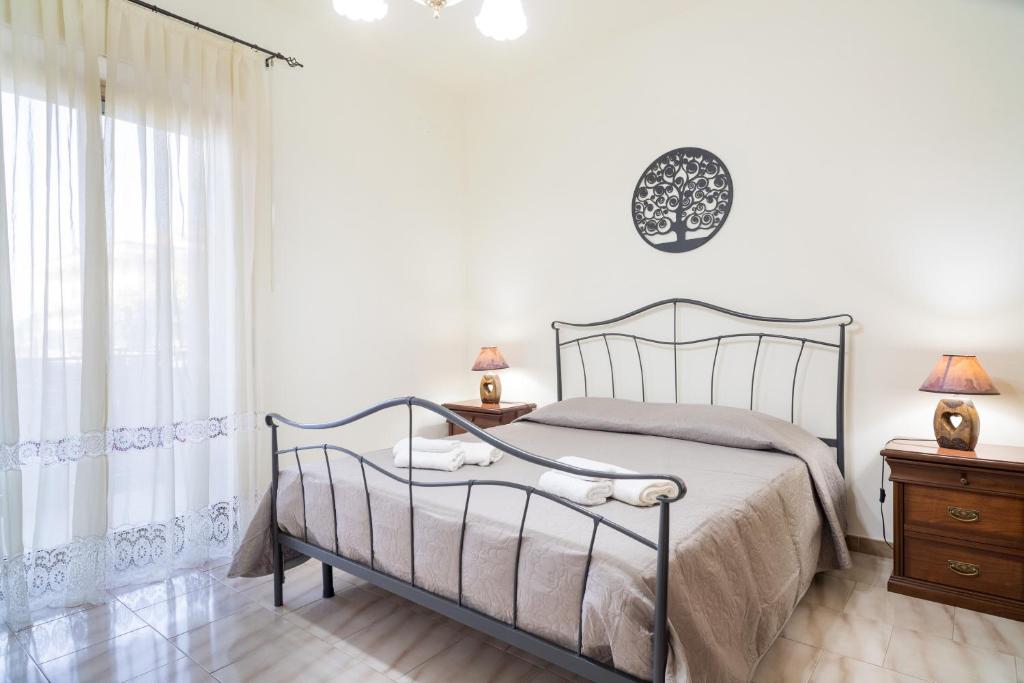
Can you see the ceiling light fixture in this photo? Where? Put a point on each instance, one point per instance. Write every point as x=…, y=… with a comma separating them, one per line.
x=498, y=19
x=502, y=19
x=437, y=5
x=361, y=10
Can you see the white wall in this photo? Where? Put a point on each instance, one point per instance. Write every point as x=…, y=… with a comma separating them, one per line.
x=364, y=298
x=876, y=148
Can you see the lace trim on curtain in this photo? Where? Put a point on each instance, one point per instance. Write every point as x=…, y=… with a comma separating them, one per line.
x=128, y=554
x=121, y=440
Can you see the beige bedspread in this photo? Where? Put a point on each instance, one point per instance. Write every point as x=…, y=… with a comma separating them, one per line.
x=745, y=541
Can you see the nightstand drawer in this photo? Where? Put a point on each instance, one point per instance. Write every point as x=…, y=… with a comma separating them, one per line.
x=486, y=415
x=967, y=478
x=980, y=517
x=482, y=421
x=965, y=567
x=485, y=421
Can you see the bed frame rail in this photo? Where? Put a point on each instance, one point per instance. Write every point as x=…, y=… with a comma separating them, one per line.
x=570, y=659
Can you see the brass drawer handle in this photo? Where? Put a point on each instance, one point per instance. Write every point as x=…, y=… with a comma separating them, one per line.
x=964, y=568
x=963, y=515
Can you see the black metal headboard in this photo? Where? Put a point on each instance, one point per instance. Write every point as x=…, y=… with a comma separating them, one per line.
x=840, y=321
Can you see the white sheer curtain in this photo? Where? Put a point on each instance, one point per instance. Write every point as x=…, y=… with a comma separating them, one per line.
x=127, y=238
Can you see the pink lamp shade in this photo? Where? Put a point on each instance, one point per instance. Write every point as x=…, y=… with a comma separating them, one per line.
x=955, y=374
x=490, y=358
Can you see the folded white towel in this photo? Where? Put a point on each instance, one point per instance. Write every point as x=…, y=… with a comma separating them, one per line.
x=575, y=489
x=420, y=443
x=639, y=492
x=479, y=453
x=431, y=460
x=642, y=492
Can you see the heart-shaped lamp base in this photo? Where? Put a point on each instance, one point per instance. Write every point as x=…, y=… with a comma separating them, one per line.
x=490, y=389
x=960, y=437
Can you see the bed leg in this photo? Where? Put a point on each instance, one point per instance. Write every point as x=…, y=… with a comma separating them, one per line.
x=278, y=549
x=278, y=575
x=328, y=574
x=660, y=658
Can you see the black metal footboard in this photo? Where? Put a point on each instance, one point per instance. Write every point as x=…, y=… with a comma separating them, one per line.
x=570, y=659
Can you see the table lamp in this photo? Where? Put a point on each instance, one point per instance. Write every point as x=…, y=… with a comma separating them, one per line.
x=954, y=374
x=488, y=360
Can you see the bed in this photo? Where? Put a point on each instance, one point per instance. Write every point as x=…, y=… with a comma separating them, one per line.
x=695, y=588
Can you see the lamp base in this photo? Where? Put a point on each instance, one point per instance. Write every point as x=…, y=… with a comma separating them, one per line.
x=962, y=437
x=490, y=389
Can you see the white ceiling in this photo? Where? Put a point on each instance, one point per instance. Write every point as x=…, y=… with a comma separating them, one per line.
x=451, y=53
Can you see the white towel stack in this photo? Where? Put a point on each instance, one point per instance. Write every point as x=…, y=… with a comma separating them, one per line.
x=480, y=453
x=638, y=492
x=444, y=455
x=431, y=460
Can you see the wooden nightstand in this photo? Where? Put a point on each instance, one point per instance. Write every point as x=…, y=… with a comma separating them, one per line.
x=959, y=525
x=487, y=414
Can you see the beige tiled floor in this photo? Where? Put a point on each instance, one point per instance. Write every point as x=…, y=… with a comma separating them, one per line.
x=202, y=626
x=849, y=629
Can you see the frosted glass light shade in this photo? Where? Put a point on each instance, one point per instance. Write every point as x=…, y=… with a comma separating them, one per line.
x=502, y=19
x=361, y=10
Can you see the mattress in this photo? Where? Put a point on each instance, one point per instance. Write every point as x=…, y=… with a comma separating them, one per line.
x=745, y=542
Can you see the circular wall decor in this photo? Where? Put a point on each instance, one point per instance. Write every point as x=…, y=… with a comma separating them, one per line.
x=682, y=199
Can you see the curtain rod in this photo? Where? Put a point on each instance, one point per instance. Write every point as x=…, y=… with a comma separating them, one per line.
x=271, y=55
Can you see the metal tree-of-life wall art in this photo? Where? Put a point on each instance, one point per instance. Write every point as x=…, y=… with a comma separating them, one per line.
x=682, y=199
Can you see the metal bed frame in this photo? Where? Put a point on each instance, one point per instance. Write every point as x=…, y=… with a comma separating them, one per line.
x=840, y=320
x=571, y=659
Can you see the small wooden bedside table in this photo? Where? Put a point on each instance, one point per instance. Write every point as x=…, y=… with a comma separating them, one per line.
x=487, y=414
x=959, y=525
